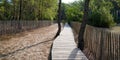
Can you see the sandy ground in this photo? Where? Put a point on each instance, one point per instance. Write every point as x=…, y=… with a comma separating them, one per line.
x=32, y=45
x=116, y=29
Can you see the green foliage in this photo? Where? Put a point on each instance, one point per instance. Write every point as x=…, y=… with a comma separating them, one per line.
x=4, y=10
x=118, y=1
x=74, y=11
x=101, y=18
x=114, y=11
x=31, y=10
x=50, y=9
x=100, y=15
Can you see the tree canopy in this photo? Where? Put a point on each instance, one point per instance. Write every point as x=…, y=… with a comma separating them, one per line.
x=74, y=11
x=102, y=13
x=30, y=10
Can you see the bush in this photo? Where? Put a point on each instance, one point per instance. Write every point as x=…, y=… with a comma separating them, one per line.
x=101, y=18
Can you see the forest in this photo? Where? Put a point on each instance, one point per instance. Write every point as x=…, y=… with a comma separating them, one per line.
x=28, y=10
x=102, y=13
x=29, y=29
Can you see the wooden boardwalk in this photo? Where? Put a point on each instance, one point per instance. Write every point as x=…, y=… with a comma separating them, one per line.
x=64, y=47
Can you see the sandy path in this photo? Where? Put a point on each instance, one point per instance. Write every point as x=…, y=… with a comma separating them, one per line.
x=33, y=45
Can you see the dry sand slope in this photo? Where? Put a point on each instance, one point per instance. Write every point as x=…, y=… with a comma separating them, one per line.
x=32, y=45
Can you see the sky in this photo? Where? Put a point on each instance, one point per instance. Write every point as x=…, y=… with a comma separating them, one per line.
x=68, y=1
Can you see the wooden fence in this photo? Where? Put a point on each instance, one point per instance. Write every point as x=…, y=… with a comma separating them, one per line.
x=100, y=43
x=8, y=27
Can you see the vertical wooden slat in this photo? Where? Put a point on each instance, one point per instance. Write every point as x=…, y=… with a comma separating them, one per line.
x=111, y=46
x=116, y=50
x=104, y=45
x=97, y=53
x=108, y=45
x=115, y=46
x=111, y=43
x=101, y=45
x=95, y=44
x=119, y=47
x=90, y=40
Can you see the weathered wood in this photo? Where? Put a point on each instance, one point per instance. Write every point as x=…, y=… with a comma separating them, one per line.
x=100, y=43
x=10, y=27
x=64, y=47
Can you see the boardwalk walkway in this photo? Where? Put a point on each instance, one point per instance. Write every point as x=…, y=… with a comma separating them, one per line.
x=64, y=47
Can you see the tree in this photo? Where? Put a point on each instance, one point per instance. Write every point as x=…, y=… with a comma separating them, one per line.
x=59, y=19
x=20, y=14
x=74, y=11
x=28, y=10
x=20, y=11
x=116, y=10
x=5, y=10
x=83, y=25
x=100, y=13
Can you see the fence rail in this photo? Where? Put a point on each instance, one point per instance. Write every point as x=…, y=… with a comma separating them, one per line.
x=8, y=27
x=100, y=43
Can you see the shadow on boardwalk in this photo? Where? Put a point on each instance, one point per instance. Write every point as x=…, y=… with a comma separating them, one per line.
x=75, y=51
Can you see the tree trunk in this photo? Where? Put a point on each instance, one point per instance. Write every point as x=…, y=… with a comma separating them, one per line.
x=20, y=11
x=59, y=19
x=14, y=7
x=83, y=25
x=20, y=15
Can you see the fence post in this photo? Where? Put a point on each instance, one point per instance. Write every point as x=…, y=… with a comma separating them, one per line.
x=101, y=45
